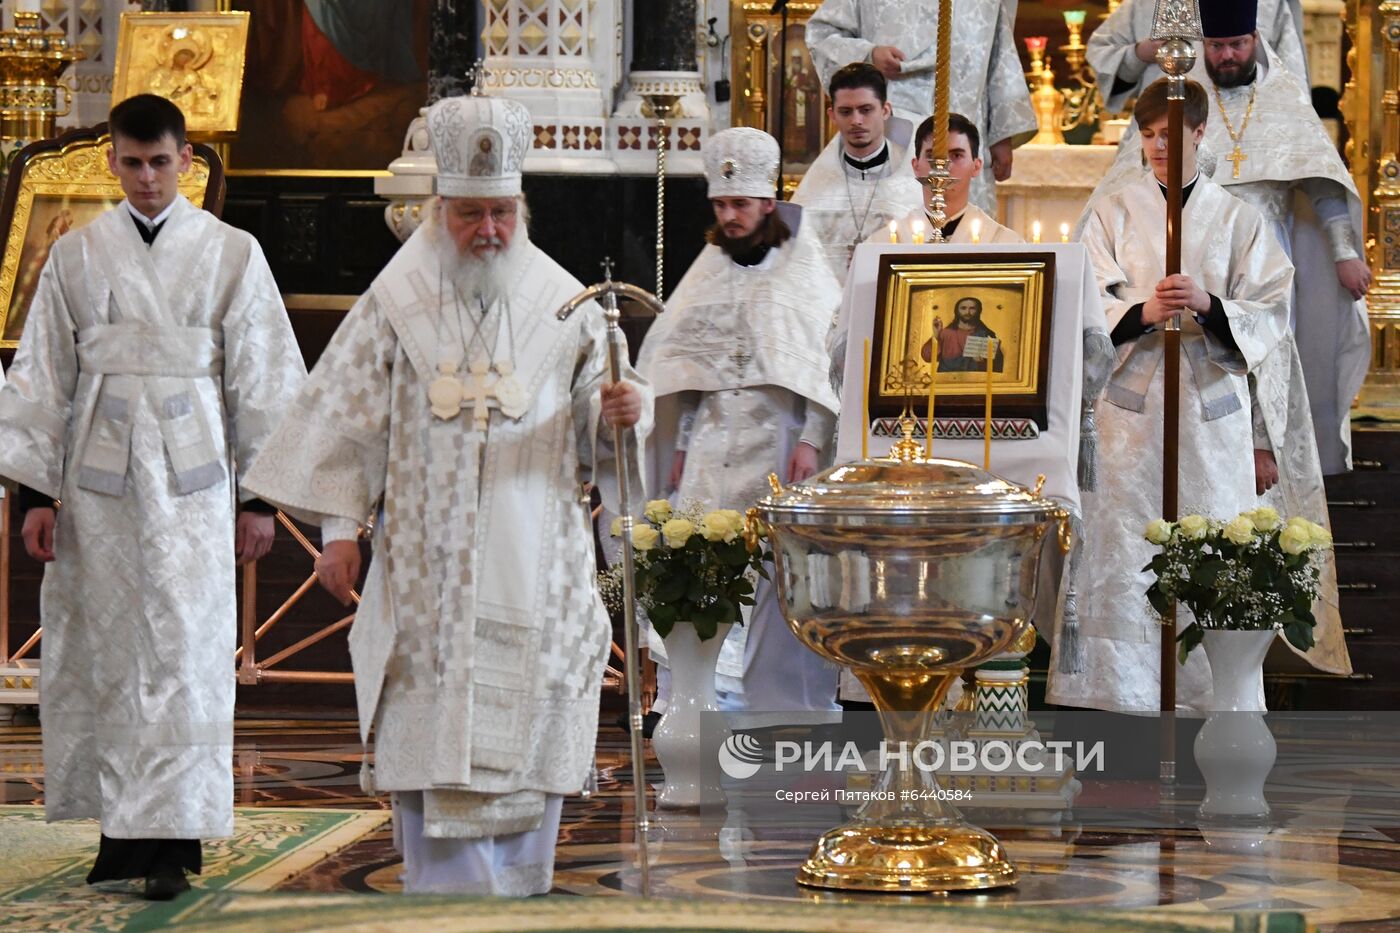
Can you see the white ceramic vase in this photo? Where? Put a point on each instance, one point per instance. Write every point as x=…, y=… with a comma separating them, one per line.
x=690, y=766
x=1235, y=749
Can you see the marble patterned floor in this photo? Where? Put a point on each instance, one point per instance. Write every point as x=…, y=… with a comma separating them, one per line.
x=1335, y=859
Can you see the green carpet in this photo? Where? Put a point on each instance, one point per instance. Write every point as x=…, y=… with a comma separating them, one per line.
x=354, y=913
x=42, y=865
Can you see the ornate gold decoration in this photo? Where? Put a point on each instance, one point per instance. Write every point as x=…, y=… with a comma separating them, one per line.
x=31, y=61
x=1371, y=106
x=753, y=64
x=193, y=59
x=76, y=178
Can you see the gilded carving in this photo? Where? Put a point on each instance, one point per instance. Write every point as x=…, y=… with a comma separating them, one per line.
x=193, y=59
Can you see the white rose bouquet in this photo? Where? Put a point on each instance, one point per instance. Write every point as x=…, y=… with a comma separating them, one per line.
x=1255, y=571
x=692, y=566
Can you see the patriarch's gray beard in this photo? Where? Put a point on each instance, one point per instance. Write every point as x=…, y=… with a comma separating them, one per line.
x=489, y=277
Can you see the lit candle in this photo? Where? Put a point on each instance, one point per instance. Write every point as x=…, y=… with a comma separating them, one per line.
x=1064, y=233
x=987, y=417
x=865, y=404
x=977, y=229
x=1036, y=44
x=894, y=231
x=917, y=228
x=1035, y=231
x=932, y=384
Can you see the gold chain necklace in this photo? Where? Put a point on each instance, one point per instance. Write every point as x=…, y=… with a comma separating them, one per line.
x=1237, y=156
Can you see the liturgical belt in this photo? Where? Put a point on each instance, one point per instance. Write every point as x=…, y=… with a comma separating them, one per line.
x=1210, y=367
x=133, y=359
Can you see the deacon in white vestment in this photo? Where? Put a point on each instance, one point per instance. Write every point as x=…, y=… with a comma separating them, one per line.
x=1275, y=155
x=861, y=181
x=156, y=358
x=1232, y=301
x=740, y=371
x=1124, y=58
x=967, y=223
x=453, y=395
x=900, y=37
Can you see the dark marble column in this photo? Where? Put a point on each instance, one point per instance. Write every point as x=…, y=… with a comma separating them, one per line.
x=451, y=48
x=663, y=35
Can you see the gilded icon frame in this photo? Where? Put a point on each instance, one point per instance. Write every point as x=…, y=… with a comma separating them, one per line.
x=1015, y=302
x=210, y=93
x=69, y=174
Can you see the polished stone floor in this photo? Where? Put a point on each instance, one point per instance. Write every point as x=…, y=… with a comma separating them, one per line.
x=1330, y=850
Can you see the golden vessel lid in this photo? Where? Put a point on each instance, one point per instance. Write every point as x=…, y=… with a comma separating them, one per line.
x=916, y=492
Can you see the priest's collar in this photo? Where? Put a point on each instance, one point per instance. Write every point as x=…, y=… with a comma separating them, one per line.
x=1186, y=189
x=869, y=164
x=754, y=258
x=146, y=226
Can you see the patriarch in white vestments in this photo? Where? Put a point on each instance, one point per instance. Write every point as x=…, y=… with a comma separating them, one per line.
x=455, y=404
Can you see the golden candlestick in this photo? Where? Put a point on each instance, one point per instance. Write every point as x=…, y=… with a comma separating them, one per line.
x=32, y=60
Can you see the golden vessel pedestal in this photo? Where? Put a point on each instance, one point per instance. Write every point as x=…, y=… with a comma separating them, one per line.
x=857, y=857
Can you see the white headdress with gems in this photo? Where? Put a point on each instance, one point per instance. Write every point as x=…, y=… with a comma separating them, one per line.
x=741, y=162
x=480, y=144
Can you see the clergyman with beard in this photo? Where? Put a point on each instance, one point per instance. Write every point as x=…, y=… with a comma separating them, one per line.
x=953, y=355
x=454, y=404
x=739, y=368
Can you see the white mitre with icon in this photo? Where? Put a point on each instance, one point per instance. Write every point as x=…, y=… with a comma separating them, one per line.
x=480, y=144
x=742, y=162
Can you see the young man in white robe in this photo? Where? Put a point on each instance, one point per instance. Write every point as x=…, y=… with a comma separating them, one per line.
x=454, y=403
x=1124, y=56
x=1275, y=155
x=156, y=358
x=739, y=367
x=1231, y=299
x=900, y=37
x=860, y=182
x=967, y=223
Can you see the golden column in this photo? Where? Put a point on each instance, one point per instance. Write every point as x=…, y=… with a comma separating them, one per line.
x=1371, y=106
x=31, y=62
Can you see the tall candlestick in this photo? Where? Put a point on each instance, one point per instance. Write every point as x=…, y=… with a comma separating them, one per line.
x=1064, y=233
x=894, y=231
x=987, y=417
x=865, y=404
x=932, y=392
x=1035, y=231
x=976, y=229
x=942, y=79
x=917, y=229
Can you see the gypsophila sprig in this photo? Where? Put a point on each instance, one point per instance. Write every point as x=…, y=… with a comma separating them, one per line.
x=693, y=566
x=1255, y=571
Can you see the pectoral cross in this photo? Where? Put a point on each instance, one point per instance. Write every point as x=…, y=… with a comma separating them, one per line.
x=479, y=388
x=1237, y=157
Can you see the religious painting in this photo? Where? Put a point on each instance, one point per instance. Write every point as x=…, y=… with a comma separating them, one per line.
x=779, y=89
x=58, y=185
x=192, y=59
x=964, y=320
x=332, y=85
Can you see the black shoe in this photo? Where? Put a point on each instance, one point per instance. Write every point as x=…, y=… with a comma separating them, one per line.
x=165, y=883
x=649, y=721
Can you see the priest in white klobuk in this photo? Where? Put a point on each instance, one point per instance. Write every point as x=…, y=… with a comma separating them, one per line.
x=739, y=367
x=1275, y=155
x=900, y=37
x=155, y=360
x=967, y=223
x=453, y=395
x=1232, y=300
x=1124, y=57
x=861, y=180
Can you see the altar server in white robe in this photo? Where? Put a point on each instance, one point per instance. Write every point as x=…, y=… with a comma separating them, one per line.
x=1276, y=156
x=452, y=394
x=739, y=368
x=967, y=223
x=861, y=180
x=1231, y=299
x=156, y=358
x=1124, y=57
x=900, y=37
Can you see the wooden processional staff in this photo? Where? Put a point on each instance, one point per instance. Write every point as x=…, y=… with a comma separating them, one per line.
x=1177, y=25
